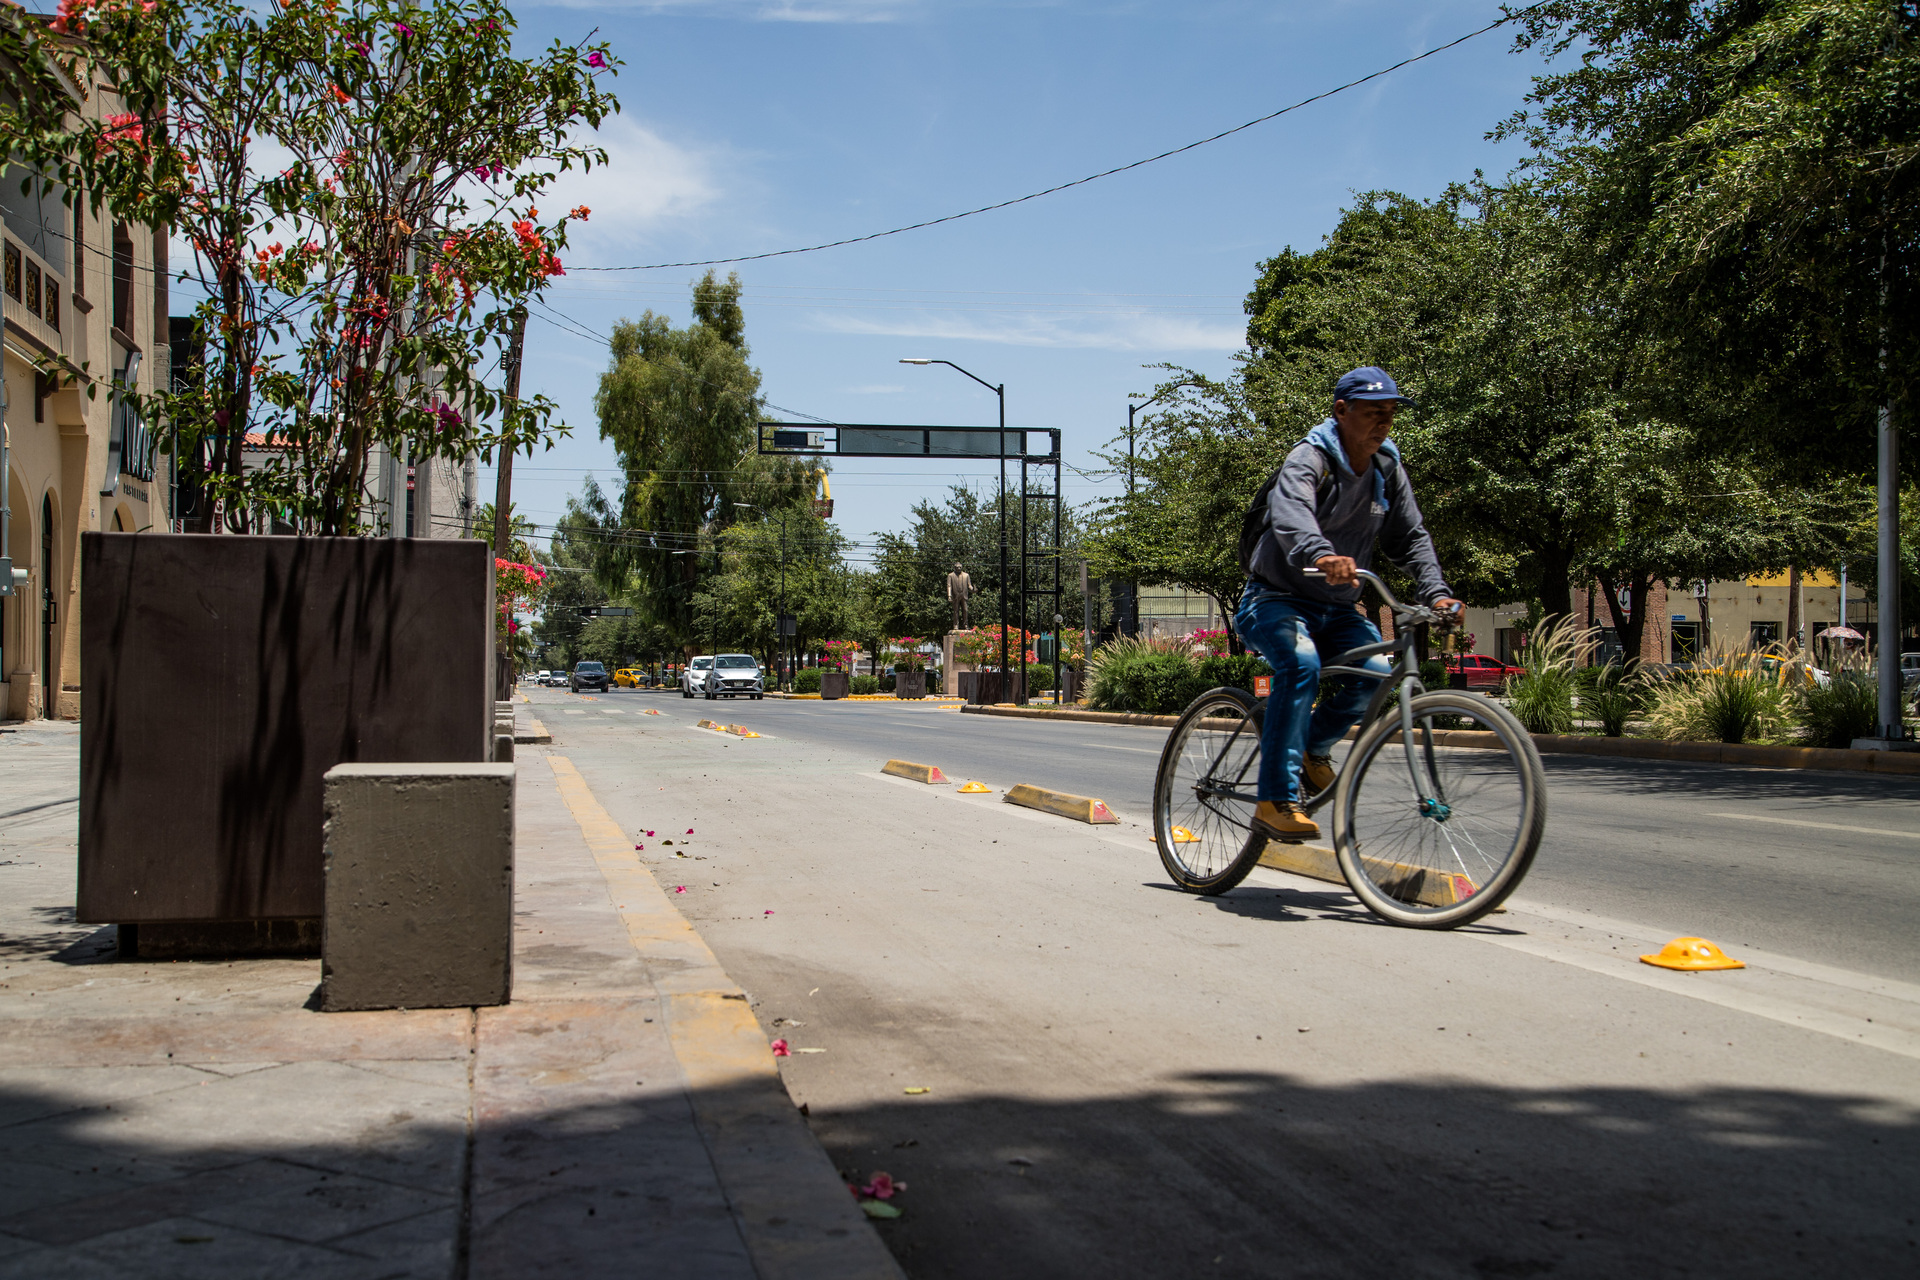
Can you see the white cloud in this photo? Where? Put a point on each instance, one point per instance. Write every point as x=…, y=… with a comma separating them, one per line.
x=646, y=182
x=1139, y=331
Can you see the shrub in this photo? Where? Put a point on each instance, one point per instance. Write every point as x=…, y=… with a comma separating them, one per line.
x=1228, y=669
x=1135, y=674
x=1729, y=697
x=864, y=684
x=1848, y=708
x=806, y=680
x=1613, y=695
x=1433, y=674
x=1039, y=677
x=1541, y=697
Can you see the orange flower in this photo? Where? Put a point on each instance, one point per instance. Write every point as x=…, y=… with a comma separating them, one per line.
x=580, y=211
x=339, y=95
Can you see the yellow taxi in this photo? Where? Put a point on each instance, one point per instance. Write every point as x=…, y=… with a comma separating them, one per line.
x=627, y=677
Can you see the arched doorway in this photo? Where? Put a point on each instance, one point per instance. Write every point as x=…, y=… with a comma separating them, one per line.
x=47, y=579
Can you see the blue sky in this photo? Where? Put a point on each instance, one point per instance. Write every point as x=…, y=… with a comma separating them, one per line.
x=753, y=125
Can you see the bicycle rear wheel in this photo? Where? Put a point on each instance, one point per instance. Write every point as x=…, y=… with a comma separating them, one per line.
x=1203, y=794
x=1447, y=860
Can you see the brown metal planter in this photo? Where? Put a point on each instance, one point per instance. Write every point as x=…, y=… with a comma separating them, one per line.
x=909, y=684
x=224, y=675
x=834, y=684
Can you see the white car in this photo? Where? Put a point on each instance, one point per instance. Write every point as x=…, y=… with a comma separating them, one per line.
x=693, y=676
x=735, y=675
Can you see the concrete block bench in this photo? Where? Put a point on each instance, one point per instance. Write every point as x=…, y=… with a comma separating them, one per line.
x=419, y=886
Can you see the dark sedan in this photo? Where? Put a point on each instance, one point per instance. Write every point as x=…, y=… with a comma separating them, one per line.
x=590, y=675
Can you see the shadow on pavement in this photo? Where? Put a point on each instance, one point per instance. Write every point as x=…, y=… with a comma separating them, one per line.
x=1267, y=1175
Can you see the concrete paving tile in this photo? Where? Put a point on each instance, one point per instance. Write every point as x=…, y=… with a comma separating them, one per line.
x=214, y=1037
x=421, y=1246
x=192, y=1249
x=29, y=1093
x=573, y=1231
x=444, y=1073
x=106, y=1211
x=28, y=1186
x=42, y=1263
x=326, y=1206
x=233, y=1068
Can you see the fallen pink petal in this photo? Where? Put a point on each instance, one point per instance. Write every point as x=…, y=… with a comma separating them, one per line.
x=780, y=1049
x=769, y=913
x=679, y=888
x=883, y=1187
x=689, y=830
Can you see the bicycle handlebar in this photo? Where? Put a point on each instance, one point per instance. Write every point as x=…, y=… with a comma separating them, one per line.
x=1418, y=612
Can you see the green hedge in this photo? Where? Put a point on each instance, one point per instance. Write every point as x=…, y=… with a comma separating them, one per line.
x=865, y=684
x=1135, y=676
x=806, y=680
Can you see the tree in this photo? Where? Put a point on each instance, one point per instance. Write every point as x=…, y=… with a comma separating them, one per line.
x=681, y=407
x=1750, y=169
x=1196, y=469
x=345, y=179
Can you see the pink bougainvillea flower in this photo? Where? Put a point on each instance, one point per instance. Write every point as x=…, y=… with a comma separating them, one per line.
x=450, y=419
x=360, y=47
x=882, y=1187
x=689, y=830
x=780, y=1049
x=596, y=59
x=769, y=913
x=403, y=29
x=679, y=888
x=639, y=846
x=651, y=833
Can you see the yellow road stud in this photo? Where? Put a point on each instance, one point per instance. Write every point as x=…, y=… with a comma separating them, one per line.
x=1183, y=836
x=1692, y=954
x=976, y=789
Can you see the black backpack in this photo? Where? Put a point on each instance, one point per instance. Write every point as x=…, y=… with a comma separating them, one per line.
x=1253, y=525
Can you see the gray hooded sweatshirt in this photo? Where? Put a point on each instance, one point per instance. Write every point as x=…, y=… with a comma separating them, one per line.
x=1309, y=517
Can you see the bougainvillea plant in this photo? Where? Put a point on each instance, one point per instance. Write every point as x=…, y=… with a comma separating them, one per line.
x=359, y=185
x=1212, y=643
x=838, y=654
x=906, y=654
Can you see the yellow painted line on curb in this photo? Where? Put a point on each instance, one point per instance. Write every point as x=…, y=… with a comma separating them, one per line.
x=772, y=1168
x=1079, y=808
x=913, y=772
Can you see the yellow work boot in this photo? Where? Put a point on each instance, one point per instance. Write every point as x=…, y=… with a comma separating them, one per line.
x=1284, y=820
x=1316, y=774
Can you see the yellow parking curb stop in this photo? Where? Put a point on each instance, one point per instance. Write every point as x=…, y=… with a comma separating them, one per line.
x=914, y=772
x=1079, y=808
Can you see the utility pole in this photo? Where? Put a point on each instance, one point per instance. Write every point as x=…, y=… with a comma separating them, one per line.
x=503, y=490
x=503, y=483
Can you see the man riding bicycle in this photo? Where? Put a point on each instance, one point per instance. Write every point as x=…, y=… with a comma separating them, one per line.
x=1338, y=491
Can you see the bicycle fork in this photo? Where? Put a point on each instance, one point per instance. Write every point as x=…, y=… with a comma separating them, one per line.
x=1426, y=784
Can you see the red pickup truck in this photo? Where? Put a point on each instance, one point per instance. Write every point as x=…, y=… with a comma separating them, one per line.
x=1482, y=672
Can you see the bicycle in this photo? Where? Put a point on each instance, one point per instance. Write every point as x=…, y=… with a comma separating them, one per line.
x=1434, y=835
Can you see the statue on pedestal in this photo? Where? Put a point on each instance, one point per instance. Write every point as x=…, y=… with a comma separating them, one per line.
x=959, y=587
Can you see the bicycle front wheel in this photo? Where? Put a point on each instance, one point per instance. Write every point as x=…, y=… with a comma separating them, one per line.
x=1203, y=794
x=1440, y=839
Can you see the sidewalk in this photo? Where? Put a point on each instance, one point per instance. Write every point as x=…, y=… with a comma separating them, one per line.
x=198, y=1119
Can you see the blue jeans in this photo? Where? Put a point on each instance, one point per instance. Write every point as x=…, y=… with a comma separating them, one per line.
x=1296, y=636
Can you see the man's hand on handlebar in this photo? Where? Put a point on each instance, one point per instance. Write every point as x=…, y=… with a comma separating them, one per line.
x=1340, y=571
x=1448, y=606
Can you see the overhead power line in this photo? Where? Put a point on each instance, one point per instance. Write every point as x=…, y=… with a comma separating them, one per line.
x=1502, y=21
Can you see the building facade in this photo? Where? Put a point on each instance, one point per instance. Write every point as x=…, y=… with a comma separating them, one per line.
x=79, y=284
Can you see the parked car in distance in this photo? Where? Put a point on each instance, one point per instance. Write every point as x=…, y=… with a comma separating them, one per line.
x=556, y=679
x=693, y=676
x=734, y=674
x=1482, y=672
x=535, y=677
x=590, y=675
x=628, y=677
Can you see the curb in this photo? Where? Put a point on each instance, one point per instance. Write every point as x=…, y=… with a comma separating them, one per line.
x=794, y=1213
x=535, y=732
x=1079, y=808
x=1845, y=759
x=914, y=772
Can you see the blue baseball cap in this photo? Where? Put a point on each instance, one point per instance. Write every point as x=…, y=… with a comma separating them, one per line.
x=1369, y=383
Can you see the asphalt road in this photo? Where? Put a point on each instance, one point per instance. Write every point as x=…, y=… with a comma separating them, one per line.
x=1126, y=1080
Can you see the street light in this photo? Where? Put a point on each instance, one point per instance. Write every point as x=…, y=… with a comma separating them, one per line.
x=1001, y=391
x=1133, y=588
x=786, y=667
